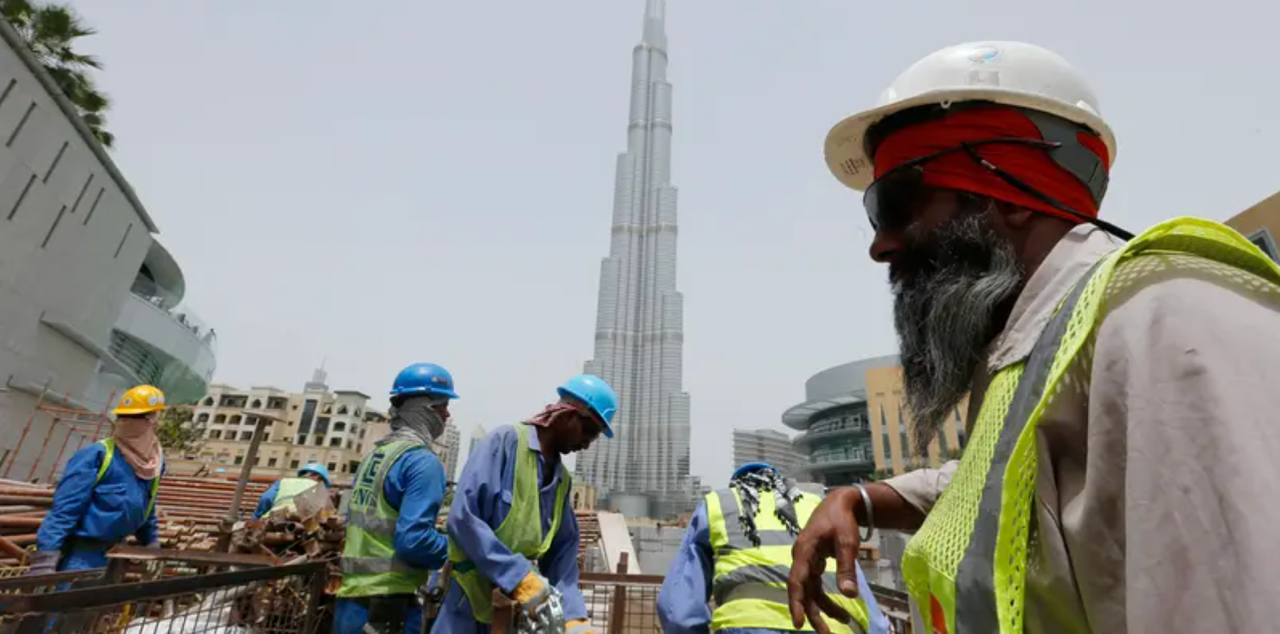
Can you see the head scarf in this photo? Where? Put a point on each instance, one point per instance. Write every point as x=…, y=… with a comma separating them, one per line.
x=414, y=420
x=136, y=438
x=548, y=413
x=957, y=170
x=751, y=484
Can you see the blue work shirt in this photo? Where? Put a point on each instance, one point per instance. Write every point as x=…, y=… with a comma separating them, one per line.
x=106, y=513
x=415, y=486
x=481, y=502
x=682, y=603
x=267, y=500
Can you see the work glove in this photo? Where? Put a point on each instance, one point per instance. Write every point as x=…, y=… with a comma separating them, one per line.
x=532, y=593
x=154, y=568
x=43, y=562
x=579, y=626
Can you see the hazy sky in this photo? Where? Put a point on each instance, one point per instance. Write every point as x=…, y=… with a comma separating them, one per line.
x=433, y=180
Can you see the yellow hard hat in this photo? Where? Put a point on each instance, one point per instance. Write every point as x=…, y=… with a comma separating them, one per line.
x=143, y=399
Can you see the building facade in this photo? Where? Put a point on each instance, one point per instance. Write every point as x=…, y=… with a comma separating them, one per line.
x=1261, y=225
x=314, y=425
x=767, y=445
x=90, y=301
x=856, y=426
x=639, y=339
x=446, y=447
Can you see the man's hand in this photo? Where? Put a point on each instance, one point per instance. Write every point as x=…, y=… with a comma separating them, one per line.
x=532, y=593
x=832, y=531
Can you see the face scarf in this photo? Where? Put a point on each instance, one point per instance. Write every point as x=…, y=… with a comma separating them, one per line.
x=415, y=420
x=549, y=413
x=136, y=438
x=785, y=494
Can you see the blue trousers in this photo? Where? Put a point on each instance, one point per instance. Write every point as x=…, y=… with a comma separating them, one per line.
x=350, y=616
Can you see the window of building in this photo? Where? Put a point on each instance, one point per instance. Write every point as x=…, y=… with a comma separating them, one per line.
x=333, y=466
x=357, y=412
x=1263, y=239
x=257, y=461
x=335, y=442
x=257, y=404
x=239, y=460
x=308, y=414
x=339, y=426
x=208, y=402
x=353, y=466
x=293, y=464
x=349, y=444
x=318, y=441
x=215, y=434
x=219, y=419
x=271, y=462
x=235, y=419
x=328, y=409
x=322, y=425
x=302, y=439
x=342, y=409
x=266, y=436
x=203, y=418
x=246, y=435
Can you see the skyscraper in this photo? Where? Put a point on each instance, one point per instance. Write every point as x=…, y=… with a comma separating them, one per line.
x=639, y=325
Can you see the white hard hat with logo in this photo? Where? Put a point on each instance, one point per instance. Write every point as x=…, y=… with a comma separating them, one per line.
x=1008, y=73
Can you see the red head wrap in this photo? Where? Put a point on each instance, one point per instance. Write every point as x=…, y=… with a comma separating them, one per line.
x=959, y=171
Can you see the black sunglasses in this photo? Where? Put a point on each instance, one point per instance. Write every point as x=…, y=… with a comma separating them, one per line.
x=891, y=199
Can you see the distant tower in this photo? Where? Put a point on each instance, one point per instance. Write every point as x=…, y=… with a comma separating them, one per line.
x=639, y=325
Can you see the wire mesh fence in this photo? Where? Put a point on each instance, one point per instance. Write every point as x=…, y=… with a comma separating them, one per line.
x=621, y=603
x=262, y=600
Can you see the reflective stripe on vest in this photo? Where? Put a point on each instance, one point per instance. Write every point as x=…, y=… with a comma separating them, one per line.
x=289, y=489
x=369, y=563
x=109, y=444
x=749, y=583
x=521, y=531
x=966, y=566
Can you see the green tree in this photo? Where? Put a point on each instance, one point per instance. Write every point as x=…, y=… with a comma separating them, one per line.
x=50, y=31
x=178, y=434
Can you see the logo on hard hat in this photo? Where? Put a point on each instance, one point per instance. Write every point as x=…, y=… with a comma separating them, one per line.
x=438, y=379
x=127, y=401
x=983, y=54
x=152, y=401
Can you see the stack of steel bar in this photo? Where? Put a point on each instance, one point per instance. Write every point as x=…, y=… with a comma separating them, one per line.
x=22, y=508
x=291, y=537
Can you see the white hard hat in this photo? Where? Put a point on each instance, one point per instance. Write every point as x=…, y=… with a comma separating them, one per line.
x=1009, y=73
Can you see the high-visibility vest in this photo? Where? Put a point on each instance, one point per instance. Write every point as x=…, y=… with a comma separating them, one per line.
x=966, y=567
x=289, y=489
x=109, y=444
x=369, y=563
x=749, y=583
x=521, y=531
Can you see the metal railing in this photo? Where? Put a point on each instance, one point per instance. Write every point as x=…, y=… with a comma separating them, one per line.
x=167, y=598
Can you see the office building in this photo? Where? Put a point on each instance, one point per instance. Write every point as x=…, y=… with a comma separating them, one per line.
x=91, y=303
x=766, y=445
x=856, y=425
x=639, y=339
x=1261, y=225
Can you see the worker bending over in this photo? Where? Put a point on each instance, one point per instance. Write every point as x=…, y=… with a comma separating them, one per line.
x=284, y=493
x=392, y=543
x=107, y=491
x=737, y=550
x=512, y=524
x=1122, y=390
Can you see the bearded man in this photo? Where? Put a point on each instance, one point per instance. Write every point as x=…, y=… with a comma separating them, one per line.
x=1121, y=463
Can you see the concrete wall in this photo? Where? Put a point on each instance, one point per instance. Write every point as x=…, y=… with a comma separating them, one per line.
x=72, y=237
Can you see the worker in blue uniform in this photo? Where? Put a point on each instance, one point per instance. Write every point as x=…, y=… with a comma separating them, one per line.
x=511, y=525
x=281, y=494
x=737, y=550
x=392, y=544
x=107, y=491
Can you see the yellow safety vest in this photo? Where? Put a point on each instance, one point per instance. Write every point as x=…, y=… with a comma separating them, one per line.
x=288, y=491
x=966, y=567
x=749, y=584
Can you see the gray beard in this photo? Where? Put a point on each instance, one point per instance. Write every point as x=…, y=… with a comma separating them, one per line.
x=952, y=292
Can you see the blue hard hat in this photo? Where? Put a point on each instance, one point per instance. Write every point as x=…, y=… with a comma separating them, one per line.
x=424, y=378
x=751, y=466
x=316, y=468
x=597, y=394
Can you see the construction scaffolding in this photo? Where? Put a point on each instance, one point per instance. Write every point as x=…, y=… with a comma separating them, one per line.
x=85, y=424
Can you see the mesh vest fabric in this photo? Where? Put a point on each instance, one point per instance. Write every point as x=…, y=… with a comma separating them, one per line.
x=749, y=583
x=289, y=489
x=521, y=531
x=369, y=563
x=109, y=444
x=966, y=567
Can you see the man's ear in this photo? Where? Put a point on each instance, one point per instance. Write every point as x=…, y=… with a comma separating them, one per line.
x=1014, y=216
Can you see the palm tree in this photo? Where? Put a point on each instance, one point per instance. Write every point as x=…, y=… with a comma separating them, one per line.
x=50, y=30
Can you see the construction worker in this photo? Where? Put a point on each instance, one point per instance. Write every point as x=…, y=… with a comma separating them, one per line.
x=283, y=494
x=392, y=543
x=1122, y=389
x=107, y=491
x=737, y=549
x=512, y=524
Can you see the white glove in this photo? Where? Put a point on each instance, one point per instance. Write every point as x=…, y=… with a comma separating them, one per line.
x=43, y=562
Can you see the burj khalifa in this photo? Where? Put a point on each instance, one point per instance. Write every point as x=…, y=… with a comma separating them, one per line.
x=639, y=344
